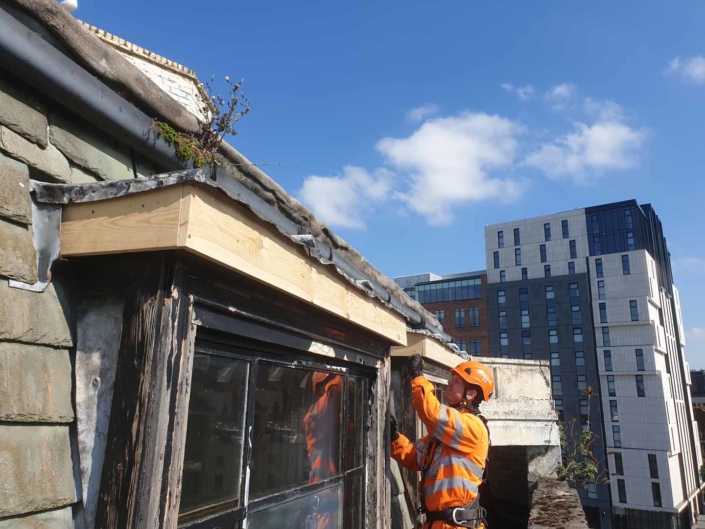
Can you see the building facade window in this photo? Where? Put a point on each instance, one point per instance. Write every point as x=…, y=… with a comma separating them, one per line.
x=577, y=335
x=617, y=436
x=495, y=257
x=640, y=390
x=598, y=268
x=631, y=246
x=461, y=346
x=575, y=314
x=558, y=406
x=459, y=318
x=625, y=265
x=526, y=344
x=475, y=347
x=501, y=297
x=571, y=268
x=597, y=245
x=579, y=358
x=618, y=463
x=542, y=251
x=582, y=382
x=595, y=225
x=504, y=339
x=656, y=493
x=591, y=491
x=222, y=387
x=550, y=292
x=474, y=317
x=555, y=359
x=603, y=312
x=639, y=359
x=502, y=276
x=606, y=341
x=610, y=386
x=628, y=219
x=614, y=412
x=547, y=231
x=552, y=336
x=608, y=360
x=653, y=466
x=525, y=320
x=574, y=292
x=551, y=314
x=634, y=310
x=517, y=237
x=601, y=290
x=547, y=271
x=621, y=488
x=564, y=227
x=502, y=319
x=584, y=411
x=451, y=290
x=524, y=274
x=500, y=239
x=557, y=385
x=440, y=316
x=517, y=256
x=504, y=355
x=573, y=250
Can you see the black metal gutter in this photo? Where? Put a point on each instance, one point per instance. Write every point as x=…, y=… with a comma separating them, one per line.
x=26, y=54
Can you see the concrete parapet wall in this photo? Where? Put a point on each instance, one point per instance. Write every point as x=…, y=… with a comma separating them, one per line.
x=555, y=505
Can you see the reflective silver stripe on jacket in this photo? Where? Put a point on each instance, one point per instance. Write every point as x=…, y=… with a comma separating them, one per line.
x=453, y=483
x=457, y=460
x=443, y=423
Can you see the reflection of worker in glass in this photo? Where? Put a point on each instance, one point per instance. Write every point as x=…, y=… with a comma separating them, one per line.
x=322, y=428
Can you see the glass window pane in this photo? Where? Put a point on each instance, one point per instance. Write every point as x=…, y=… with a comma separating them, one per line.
x=214, y=437
x=353, y=513
x=321, y=509
x=296, y=433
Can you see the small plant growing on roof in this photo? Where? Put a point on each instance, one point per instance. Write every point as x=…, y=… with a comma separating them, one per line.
x=220, y=117
x=579, y=466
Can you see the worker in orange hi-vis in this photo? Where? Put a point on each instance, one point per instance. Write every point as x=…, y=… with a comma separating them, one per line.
x=452, y=457
x=322, y=428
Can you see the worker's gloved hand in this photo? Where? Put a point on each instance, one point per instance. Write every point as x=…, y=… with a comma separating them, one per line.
x=416, y=364
x=393, y=428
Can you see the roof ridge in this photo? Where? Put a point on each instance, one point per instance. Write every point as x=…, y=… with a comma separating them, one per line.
x=143, y=53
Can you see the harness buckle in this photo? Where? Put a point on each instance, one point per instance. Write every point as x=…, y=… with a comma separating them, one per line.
x=456, y=521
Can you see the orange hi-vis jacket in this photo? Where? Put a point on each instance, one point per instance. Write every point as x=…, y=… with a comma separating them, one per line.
x=321, y=425
x=459, y=442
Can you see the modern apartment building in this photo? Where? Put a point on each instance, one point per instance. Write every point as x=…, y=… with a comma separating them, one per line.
x=592, y=291
x=459, y=301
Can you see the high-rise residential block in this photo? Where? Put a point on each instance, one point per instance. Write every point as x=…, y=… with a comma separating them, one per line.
x=592, y=291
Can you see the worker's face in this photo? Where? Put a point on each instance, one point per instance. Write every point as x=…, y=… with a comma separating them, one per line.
x=456, y=391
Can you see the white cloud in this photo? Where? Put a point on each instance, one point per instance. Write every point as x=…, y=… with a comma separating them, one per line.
x=524, y=93
x=422, y=112
x=342, y=200
x=692, y=265
x=559, y=95
x=695, y=334
x=448, y=162
x=608, y=144
x=692, y=69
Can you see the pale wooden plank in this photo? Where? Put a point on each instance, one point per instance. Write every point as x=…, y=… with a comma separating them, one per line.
x=227, y=233
x=428, y=348
x=134, y=223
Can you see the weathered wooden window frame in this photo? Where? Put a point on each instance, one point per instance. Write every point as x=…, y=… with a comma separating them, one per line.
x=142, y=469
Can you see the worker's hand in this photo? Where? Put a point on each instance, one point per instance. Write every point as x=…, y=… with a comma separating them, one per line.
x=393, y=428
x=415, y=364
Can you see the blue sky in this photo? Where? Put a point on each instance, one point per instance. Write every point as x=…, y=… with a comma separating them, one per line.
x=413, y=124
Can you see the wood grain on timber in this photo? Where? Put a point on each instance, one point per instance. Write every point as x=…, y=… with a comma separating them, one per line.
x=204, y=222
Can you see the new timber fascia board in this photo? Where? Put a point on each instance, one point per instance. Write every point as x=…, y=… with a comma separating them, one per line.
x=196, y=218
